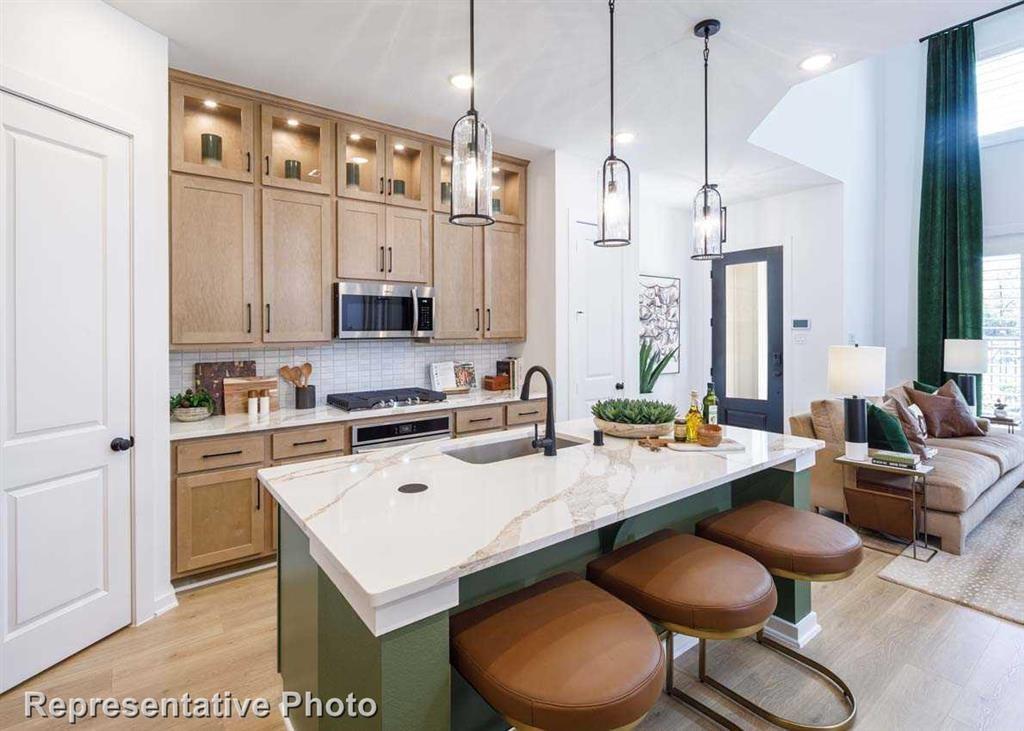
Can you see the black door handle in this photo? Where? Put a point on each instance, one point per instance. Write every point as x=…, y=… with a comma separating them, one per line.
x=122, y=444
x=620, y=386
x=248, y=162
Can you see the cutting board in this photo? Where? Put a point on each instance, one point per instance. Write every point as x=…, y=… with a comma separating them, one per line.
x=236, y=393
x=726, y=445
x=210, y=377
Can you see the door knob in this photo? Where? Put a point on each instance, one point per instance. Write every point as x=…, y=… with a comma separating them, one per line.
x=620, y=386
x=122, y=444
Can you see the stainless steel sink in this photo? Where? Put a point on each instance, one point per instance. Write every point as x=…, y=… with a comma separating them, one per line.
x=508, y=449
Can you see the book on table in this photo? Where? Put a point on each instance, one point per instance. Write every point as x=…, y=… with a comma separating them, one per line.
x=896, y=459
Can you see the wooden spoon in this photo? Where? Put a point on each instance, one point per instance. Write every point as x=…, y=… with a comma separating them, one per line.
x=307, y=371
x=286, y=374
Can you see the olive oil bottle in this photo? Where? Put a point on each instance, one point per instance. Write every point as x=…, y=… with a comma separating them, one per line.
x=710, y=405
x=693, y=418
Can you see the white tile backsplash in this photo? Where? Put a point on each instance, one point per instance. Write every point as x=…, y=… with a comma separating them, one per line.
x=358, y=365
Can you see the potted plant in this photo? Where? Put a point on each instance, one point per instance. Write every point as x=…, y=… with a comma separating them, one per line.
x=191, y=405
x=652, y=363
x=634, y=418
x=1000, y=408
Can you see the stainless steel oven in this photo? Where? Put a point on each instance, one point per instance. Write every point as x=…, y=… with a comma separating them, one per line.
x=379, y=310
x=426, y=428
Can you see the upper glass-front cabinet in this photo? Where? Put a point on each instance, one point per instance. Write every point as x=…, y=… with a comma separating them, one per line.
x=361, y=162
x=442, y=194
x=508, y=191
x=408, y=172
x=297, y=151
x=211, y=133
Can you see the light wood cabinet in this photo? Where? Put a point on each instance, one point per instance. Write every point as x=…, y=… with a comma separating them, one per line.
x=290, y=137
x=480, y=418
x=213, y=262
x=504, y=281
x=297, y=266
x=408, y=172
x=458, y=280
x=508, y=192
x=442, y=188
x=362, y=233
x=196, y=111
x=362, y=165
x=219, y=518
x=408, y=245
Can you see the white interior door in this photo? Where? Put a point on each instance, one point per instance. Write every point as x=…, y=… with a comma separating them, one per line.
x=596, y=312
x=65, y=390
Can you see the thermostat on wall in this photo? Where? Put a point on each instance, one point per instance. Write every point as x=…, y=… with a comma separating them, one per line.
x=802, y=324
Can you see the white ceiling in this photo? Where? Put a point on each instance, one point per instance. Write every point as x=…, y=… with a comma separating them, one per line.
x=542, y=66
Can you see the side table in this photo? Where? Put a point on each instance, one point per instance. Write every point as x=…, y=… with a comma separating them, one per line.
x=918, y=482
x=1010, y=424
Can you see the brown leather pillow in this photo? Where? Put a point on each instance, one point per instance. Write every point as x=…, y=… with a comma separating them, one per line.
x=911, y=427
x=946, y=416
x=951, y=389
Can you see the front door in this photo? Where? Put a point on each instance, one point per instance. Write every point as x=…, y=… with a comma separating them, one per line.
x=597, y=307
x=746, y=338
x=65, y=386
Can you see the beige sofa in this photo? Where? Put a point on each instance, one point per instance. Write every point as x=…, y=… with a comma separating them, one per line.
x=972, y=475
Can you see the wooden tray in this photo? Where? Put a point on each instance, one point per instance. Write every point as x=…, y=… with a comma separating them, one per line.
x=236, y=393
x=726, y=445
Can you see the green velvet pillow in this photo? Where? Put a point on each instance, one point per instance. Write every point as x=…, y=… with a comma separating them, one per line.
x=918, y=386
x=885, y=431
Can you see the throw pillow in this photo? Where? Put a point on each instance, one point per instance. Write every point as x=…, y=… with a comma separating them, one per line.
x=945, y=416
x=885, y=432
x=926, y=388
x=951, y=389
x=914, y=430
x=827, y=418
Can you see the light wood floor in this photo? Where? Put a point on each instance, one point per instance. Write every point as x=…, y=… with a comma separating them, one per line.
x=914, y=661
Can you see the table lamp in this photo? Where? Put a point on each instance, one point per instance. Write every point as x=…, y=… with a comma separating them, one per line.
x=856, y=372
x=965, y=358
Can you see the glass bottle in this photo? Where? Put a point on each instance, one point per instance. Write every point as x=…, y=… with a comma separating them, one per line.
x=693, y=418
x=710, y=405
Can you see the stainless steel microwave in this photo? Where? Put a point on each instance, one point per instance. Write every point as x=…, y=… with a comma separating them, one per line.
x=378, y=310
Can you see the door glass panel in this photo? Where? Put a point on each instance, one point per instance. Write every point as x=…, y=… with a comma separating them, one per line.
x=406, y=168
x=443, y=194
x=505, y=195
x=213, y=133
x=746, y=330
x=361, y=163
x=295, y=150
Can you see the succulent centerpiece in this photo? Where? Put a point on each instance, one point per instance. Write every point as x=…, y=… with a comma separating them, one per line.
x=633, y=418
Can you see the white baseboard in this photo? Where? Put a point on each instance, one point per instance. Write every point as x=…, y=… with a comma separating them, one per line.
x=165, y=603
x=187, y=585
x=793, y=635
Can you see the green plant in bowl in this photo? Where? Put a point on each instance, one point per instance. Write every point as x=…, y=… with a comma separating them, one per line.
x=192, y=405
x=634, y=418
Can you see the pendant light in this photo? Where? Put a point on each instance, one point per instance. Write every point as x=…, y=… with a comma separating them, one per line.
x=709, y=215
x=471, y=158
x=613, y=204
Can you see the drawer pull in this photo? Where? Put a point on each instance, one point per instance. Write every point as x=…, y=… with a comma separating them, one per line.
x=528, y=413
x=311, y=441
x=483, y=418
x=222, y=454
x=259, y=493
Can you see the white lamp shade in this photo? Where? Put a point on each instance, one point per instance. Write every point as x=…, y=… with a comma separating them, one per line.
x=856, y=370
x=965, y=356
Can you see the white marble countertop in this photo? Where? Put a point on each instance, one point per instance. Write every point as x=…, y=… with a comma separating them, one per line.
x=283, y=418
x=397, y=557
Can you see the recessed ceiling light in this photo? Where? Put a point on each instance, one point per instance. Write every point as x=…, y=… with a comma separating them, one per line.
x=447, y=158
x=293, y=123
x=209, y=104
x=360, y=160
x=625, y=137
x=399, y=147
x=355, y=137
x=461, y=81
x=818, y=61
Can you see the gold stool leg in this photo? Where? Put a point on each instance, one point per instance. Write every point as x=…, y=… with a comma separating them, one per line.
x=686, y=698
x=786, y=723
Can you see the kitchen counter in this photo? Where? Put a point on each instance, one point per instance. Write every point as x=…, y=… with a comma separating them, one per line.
x=397, y=558
x=283, y=418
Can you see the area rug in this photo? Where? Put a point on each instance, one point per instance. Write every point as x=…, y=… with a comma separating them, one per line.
x=988, y=577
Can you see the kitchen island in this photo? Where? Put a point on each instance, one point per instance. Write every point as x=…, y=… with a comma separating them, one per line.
x=377, y=550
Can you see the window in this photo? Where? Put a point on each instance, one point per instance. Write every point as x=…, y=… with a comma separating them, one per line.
x=1001, y=327
x=1001, y=92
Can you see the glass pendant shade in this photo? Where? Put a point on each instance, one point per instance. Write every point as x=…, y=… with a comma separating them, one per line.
x=709, y=219
x=613, y=223
x=471, y=172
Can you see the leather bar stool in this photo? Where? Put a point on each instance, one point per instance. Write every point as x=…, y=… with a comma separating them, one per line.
x=561, y=655
x=691, y=586
x=792, y=544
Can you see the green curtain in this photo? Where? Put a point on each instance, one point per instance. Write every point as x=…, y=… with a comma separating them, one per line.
x=949, y=247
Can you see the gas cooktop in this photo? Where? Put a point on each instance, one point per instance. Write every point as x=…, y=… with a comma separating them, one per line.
x=384, y=399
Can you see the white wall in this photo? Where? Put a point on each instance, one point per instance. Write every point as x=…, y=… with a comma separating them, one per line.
x=541, y=334
x=87, y=58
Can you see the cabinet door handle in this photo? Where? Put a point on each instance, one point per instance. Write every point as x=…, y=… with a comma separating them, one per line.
x=311, y=441
x=488, y=319
x=482, y=418
x=267, y=158
x=389, y=186
x=382, y=185
x=248, y=317
x=391, y=259
x=222, y=454
x=382, y=258
x=528, y=413
x=259, y=494
x=248, y=162
x=268, y=317
x=478, y=319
